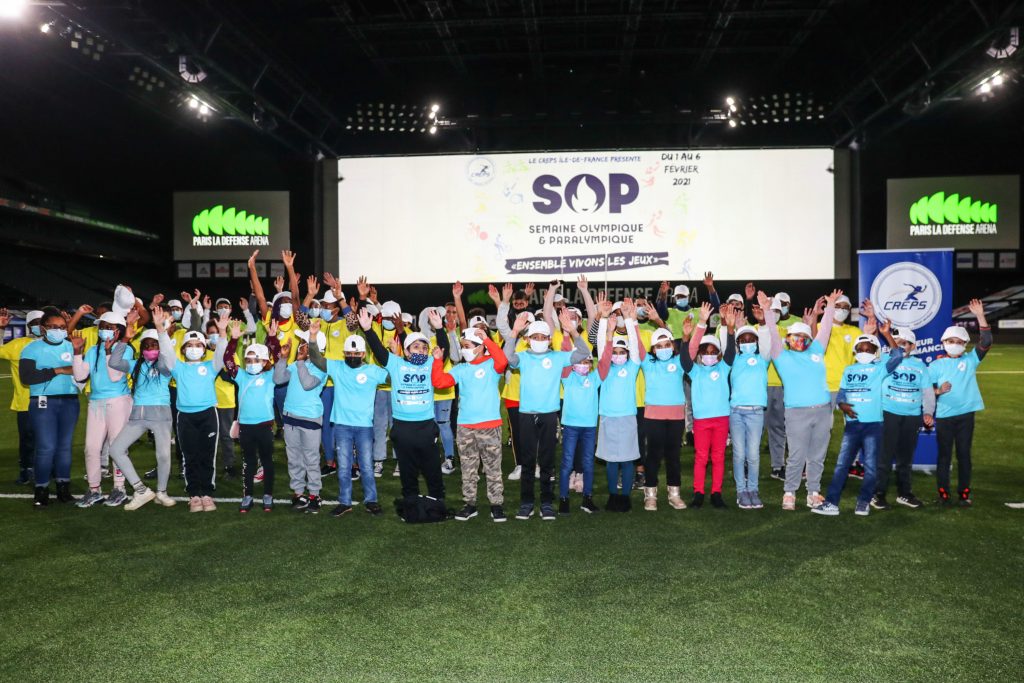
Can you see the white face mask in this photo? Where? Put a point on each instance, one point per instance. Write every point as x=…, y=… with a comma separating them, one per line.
x=468, y=354
x=194, y=352
x=286, y=310
x=223, y=312
x=953, y=350
x=864, y=358
x=840, y=315
x=539, y=346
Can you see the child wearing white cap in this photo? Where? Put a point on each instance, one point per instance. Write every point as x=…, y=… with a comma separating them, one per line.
x=664, y=418
x=479, y=434
x=709, y=368
x=747, y=402
x=958, y=399
x=860, y=399
x=618, y=368
x=510, y=391
x=540, y=376
x=775, y=413
x=808, y=417
x=11, y=352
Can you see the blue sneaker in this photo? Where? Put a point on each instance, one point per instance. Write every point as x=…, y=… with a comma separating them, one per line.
x=863, y=509
x=828, y=509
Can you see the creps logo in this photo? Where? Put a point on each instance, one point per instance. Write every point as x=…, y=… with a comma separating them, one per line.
x=907, y=294
x=229, y=221
x=585, y=193
x=943, y=209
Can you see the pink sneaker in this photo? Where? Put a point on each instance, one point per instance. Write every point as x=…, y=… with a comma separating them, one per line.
x=195, y=504
x=208, y=504
x=789, y=501
x=259, y=475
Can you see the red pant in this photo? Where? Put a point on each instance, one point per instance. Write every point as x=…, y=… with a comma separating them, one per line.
x=710, y=435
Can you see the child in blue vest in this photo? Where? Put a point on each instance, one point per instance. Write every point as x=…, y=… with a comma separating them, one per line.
x=579, y=431
x=618, y=367
x=747, y=402
x=957, y=400
x=860, y=399
x=255, y=410
x=664, y=418
x=908, y=401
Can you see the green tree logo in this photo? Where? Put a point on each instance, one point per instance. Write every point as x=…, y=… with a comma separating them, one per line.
x=229, y=221
x=940, y=208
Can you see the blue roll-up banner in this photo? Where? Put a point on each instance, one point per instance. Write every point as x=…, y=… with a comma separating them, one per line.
x=912, y=289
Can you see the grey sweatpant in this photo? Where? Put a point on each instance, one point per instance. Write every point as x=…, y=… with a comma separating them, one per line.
x=807, y=433
x=775, y=425
x=133, y=430
x=303, y=448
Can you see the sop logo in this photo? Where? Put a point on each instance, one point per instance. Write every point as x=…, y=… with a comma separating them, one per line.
x=201, y=371
x=546, y=363
x=671, y=367
x=585, y=193
x=479, y=374
x=361, y=378
x=907, y=294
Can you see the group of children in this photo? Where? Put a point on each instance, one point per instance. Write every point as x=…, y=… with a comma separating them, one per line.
x=625, y=384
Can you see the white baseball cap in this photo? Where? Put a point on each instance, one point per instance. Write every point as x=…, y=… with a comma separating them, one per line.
x=905, y=334
x=558, y=298
x=112, y=318
x=538, y=327
x=279, y=295
x=414, y=337
x=33, y=315
x=843, y=299
x=407, y=318
x=174, y=303
x=799, y=328
x=150, y=334
x=259, y=350
x=390, y=309
x=192, y=335
x=321, y=339
x=681, y=290
x=782, y=296
x=711, y=339
x=620, y=343
x=660, y=335
x=616, y=306
x=575, y=311
x=956, y=332
x=329, y=298
x=220, y=301
x=472, y=334
x=372, y=309
x=746, y=329
x=355, y=344
x=869, y=338
x=735, y=297
x=478, y=320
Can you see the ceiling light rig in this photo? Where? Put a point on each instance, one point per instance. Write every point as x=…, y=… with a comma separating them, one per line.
x=381, y=117
x=991, y=84
x=87, y=43
x=776, y=108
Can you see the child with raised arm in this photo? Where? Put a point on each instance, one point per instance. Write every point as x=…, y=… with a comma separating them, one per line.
x=748, y=402
x=579, y=432
x=955, y=376
x=801, y=366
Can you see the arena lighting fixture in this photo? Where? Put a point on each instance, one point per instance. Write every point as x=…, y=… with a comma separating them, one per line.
x=12, y=9
x=47, y=27
x=381, y=117
x=190, y=73
x=732, y=123
x=730, y=101
x=433, y=130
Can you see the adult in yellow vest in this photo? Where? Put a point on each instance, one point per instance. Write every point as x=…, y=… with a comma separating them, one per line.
x=11, y=352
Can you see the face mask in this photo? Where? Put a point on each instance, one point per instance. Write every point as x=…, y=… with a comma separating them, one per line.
x=388, y=325
x=841, y=315
x=799, y=343
x=326, y=314
x=36, y=331
x=194, y=352
x=353, y=361
x=254, y=368
x=151, y=354
x=682, y=304
x=315, y=312
x=952, y=350
x=176, y=315
x=223, y=312
x=418, y=358
x=663, y=354
x=468, y=354
x=864, y=358
x=539, y=346
x=620, y=324
x=641, y=312
x=105, y=335
x=785, y=311
x=619, y=358
x=709, y=359
x=749, y=347
x=285, y=310
x=213, y=339
x=582, y=369
x=56, y=336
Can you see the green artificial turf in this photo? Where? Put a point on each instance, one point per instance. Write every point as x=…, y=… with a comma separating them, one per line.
x=164, y=595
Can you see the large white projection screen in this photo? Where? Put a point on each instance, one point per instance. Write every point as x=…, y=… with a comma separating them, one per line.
x=617, y=216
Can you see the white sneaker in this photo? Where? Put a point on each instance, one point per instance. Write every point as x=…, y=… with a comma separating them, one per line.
x=789, y=501
x=536, y=472
x=448, y=466
x=396, y=473
x=140, y=499
x=163, y=499
x=815, y=499
x=515, y=474
x=378, y=470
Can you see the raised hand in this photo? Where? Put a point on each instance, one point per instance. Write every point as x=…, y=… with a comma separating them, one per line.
x=582, y=283
x=395, y=347
x=207, y=302
x=705, y=312
x=809, y=317
x=77, y=342
x=252, y=259
x=819, y=306
x=435, y=319
x=312, y=285
x=222, y=325
x=871, y=325
x=457, y=289
x=977, y=308
x=5, y=318
x=664, y=289
x=749, y=291
x=272, y=330
x=831, y=298
x=885, y=328
x=529, y=289
x=84, y=309
x=373, y=295
x=303, y=352
x=566, y=321
x=185, y=297
x=764, y=301
x=157, y=300
x=131, y=318
x=868, y=308
x=437, y=353
x=243, y=303
x=160, y=317
x=506, y=292
x=688, y=327
x=363, y=287
x=709, y=280
x=365, y=321
x=613, y=322
x=288, y=258
x=279, y=284
x=628, y=309
x=521, y=322
x=314, y=328
x=492, y=292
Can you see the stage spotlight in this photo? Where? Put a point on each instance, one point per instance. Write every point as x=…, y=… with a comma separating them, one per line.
x=12, y=9
x=193, y=103
x=730, y=101
x=435, y=107
x=732, y=123
x=204, y=110
x=46, y=28
x=997, y=79
x=433, y=129
x=985, y=88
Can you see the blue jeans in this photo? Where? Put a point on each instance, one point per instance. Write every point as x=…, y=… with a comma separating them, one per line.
x=54, y=426
x=345, y=438
x=381, y=422
x=865, y=437
x=745, y=426
x=577, y=440
x=327, y=431
x=443, y=418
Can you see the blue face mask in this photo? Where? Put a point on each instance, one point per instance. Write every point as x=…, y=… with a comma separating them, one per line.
x=641, y=312
x=314, y=312
x=785, y=311
x=748, y=347
x=663, y=354
x=213, y=339
x=388, y=325
x=326, y=314
x=56, y=336
x=36, y=331
x=682, y=304
x=254, y=368
x=418, y=358
x=176, y=315
x=105, y=335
